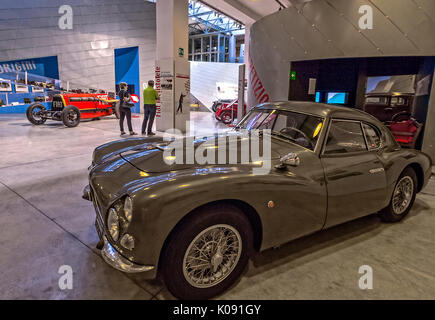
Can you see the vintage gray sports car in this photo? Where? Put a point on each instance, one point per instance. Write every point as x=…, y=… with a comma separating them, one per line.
x=197, y=225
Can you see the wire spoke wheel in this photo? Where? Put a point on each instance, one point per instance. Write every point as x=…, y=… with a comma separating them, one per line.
x=212, y=256
x=403, y=194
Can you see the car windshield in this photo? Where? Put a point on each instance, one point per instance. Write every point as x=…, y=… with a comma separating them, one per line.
x=300, y=128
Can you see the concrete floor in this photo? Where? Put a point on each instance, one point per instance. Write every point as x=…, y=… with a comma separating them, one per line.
x=45, y=224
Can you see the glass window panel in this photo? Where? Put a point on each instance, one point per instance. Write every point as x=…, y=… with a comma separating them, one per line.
x=373, y=137
x=345, y=137
x=214, y=43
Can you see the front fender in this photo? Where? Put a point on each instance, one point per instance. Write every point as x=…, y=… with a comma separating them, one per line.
x=160, y=202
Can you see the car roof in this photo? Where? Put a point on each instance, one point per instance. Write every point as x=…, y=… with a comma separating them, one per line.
x=319, y=109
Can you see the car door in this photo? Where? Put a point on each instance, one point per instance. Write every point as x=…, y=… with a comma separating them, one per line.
x=355, y=177
x=298, y=192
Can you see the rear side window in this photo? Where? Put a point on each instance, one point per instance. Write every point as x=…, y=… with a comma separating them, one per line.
x=345, y=137
x=373, y=137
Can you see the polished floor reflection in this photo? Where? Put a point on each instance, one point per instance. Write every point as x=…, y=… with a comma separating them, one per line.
x=46, y=224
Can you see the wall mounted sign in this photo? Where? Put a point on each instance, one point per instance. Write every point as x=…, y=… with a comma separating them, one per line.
x=181, y=52
x=293, y=75
x=45, y=66
x=312, y=86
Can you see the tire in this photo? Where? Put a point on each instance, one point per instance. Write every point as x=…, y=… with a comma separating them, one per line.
x=206, y=221
x=395, y=213
x=226, y=117
x=216, y=106
x=71, y=116
x=34, y=116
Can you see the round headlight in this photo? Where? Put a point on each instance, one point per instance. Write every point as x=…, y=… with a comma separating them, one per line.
x=128, y=208
x=113, y=224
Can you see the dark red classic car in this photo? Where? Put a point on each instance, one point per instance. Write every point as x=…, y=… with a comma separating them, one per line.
x=70, y=108
x=387, y=107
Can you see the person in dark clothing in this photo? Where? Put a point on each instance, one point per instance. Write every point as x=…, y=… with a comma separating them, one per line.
x=180, y=103
x=150, y=95
x=124, y=109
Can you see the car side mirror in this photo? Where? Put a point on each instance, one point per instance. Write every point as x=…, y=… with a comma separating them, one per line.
x=290, y=159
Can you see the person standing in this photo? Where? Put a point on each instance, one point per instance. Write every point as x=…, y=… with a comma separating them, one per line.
x=149, y=99
x=124, y=109
x=180, y=103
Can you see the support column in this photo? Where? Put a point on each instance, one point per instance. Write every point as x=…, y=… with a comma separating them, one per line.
x=172, y=65
x=249, y=103
x=429, y=131
x=232, y=49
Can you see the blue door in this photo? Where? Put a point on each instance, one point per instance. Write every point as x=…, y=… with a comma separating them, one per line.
x=127, y=70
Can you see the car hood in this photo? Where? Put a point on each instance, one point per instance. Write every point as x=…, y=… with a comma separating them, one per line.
x=161, y=157
x=121, y=165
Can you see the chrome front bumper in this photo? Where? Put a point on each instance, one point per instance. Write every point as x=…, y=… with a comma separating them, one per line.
x=117, y=261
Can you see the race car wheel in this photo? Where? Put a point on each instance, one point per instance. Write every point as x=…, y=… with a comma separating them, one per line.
x=403, y=197
x=71, y=116
x=226, y=117
x=35, y=113
x=207, y=253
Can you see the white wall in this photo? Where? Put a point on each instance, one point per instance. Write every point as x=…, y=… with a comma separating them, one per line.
x=205, y=75
x=29, y=29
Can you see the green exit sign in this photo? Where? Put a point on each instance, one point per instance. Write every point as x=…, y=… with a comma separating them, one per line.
x=180, y=52
x=293, y=75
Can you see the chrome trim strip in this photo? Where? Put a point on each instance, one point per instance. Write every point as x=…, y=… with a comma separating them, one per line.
x=117, y=261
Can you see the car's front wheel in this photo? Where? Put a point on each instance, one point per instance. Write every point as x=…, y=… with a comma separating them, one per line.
x=403, y=197
x=207, y=253
x=71, y=116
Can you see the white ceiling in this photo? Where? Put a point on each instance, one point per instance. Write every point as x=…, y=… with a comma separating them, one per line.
x=249, y=11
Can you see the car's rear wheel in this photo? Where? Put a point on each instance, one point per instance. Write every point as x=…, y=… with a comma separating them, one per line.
x=207, y=253
x=71, y=116
x=35, y=114
x=403, y=197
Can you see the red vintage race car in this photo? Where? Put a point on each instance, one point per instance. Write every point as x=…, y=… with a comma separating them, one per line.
x=226, y=112
x=70, y=108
